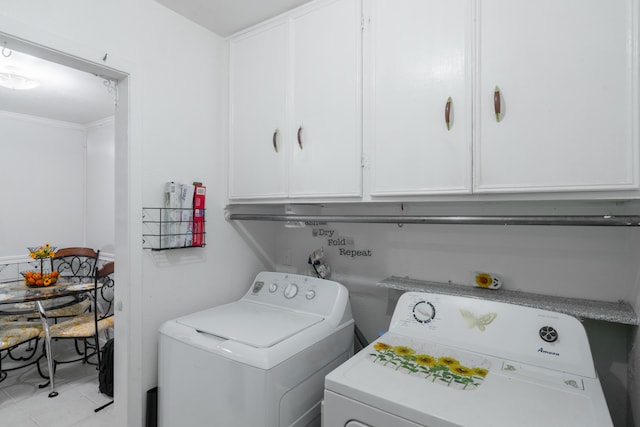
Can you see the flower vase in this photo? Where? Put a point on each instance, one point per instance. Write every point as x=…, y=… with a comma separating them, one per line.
x=40, y=278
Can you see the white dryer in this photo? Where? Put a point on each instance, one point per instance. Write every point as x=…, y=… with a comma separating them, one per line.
x=259, y=361
x=451, y=361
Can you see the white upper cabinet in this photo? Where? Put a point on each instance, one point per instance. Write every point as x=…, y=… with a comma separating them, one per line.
x=299, y=79
x=258, y=112
x=453, y=97
x=421, y=76
x=327, y=106
x=567, y=95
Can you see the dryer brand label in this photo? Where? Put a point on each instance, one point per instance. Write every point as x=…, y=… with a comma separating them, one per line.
x=552, y=353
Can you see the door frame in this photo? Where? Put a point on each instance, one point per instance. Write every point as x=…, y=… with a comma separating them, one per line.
x=127, y=204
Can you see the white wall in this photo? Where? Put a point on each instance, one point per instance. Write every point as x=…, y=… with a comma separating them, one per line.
x=42, y=172
x=62, y=177
x=176, y=131
x=100, y=194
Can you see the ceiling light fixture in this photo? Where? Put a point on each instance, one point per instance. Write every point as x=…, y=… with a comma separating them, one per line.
x=13, y=80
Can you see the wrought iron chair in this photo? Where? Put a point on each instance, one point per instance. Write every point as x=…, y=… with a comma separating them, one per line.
x=13, y=335
x=73, y=263
x=88, y=326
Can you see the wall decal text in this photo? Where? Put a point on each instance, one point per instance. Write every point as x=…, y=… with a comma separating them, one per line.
x=352, y=253
x=343, y=241
x=323, y=232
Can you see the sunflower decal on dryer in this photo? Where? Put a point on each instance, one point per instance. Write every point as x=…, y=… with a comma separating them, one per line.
x=422, y=362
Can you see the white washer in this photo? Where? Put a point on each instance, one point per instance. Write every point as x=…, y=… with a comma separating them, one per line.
x=259, y=361
x=454, y=361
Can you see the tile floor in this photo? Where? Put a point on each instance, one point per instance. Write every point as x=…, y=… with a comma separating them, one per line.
x=23, y=404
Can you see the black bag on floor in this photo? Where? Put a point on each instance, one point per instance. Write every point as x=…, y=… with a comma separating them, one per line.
x=106, y=368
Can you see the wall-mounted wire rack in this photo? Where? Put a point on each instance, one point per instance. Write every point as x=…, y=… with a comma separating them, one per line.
x=173, y=228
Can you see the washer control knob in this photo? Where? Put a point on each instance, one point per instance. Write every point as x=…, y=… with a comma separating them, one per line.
x=291, y=290
x=548, y=334
x=273, y=287
x=310, y=294
x=424, y=312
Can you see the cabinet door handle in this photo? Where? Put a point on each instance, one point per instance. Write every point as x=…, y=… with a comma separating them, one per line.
x=275, y=140
x=300, y=137
x=447, y=113
x=496, y=103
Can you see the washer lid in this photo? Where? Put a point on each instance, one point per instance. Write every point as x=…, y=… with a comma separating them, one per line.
x=256, y=325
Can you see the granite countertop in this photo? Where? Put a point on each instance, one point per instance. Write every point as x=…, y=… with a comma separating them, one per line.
x=616, y=312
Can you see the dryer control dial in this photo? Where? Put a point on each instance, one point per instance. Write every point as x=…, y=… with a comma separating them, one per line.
x=273, y=287
x=548, y=334
x=424, y=312
x=291, y=290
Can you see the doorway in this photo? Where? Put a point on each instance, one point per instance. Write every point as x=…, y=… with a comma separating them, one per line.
x=121, y=205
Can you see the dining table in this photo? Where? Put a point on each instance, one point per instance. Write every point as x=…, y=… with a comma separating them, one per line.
x=17, y=299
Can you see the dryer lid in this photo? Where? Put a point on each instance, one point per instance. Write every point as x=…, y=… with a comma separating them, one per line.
x=253, y=324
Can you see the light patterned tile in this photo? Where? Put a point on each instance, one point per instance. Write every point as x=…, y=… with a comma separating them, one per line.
x=90, y=390
x=103, y=418
x=18, y=420
x=64, y=413
x=5, y=399
x=24, y=404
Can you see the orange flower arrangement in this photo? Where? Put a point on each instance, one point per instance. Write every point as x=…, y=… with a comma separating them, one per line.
x=42, y=252
x=35, y=278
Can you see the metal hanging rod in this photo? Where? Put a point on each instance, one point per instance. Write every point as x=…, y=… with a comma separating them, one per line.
x=563, y=220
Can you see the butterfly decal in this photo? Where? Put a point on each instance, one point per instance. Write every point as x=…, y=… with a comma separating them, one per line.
x=481, y=322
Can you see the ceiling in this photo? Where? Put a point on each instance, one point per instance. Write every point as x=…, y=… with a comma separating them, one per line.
x=64, y=93
x=225, y=17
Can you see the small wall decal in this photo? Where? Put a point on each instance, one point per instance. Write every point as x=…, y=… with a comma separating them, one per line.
x=344, y=245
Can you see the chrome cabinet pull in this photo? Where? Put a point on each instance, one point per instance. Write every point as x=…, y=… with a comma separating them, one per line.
x=447, y=113
x=496, y=103
x=300, y=137
x=275, y=140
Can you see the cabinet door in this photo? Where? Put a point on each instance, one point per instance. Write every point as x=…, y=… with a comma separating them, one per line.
x=421, y=58
x=258, y=94
x=568, y=95
x=326, y=101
